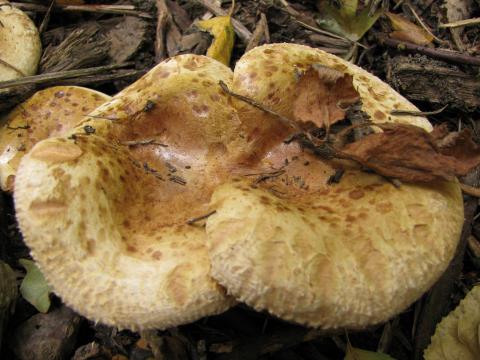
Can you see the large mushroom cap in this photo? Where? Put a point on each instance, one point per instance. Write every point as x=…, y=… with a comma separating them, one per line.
x=105, y=211
x=105, y=214
x=19, y=43
x=344, y=255
x=50, y=112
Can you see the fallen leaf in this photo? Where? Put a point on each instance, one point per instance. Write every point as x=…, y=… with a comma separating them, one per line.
x=359, y=354
x=324, y=96
x=222, y=30
x=34, y=287
x=347, y=19
x=407, y=31
x=456, y=336
x=411, y=154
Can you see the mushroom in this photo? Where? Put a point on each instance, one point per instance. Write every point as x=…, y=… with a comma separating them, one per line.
x=105, y=213
x=20, y=43
x=49, y=112
x=348, y=255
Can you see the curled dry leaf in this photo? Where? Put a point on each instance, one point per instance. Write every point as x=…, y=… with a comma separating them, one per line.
x=222, y=30
x=324, y=96
x=411, y=154
x=405, y=30
x=457, y=335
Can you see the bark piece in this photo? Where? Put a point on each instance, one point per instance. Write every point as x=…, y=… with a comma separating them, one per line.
x=421, y=79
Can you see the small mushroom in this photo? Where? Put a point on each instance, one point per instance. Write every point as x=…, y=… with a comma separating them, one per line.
x=49, y=112
x=19, y=43
x=105, y=213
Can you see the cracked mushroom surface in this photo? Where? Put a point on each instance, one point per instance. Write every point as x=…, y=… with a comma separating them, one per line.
x=19, y=42
x=109, y=208
x=50, y=112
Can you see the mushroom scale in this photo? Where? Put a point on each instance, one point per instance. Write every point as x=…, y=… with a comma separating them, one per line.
x=105, y=212
x=50, y=112
x=20, y=43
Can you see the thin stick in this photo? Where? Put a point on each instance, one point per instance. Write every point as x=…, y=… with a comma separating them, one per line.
x=423, y=25
x=255, y=104
x=46, y=18
x=243, y=33
x=163, y=18
x=202, y=217
x=259, y=33
x=470, y=190
x=449, y=56
x=459, y=23
x=100, y=9
x=10, y=66
x=417, y=113
x=61, y=75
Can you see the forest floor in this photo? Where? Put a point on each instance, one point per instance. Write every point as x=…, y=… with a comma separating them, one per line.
x=443, y=83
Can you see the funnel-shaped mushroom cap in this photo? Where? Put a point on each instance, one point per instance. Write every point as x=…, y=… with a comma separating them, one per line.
x=50, y=112
x=105, y=213
x=19, y=43
x=343, y=255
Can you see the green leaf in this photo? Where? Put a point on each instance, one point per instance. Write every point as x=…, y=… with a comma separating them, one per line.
x=347, y=20
x=34, y=287
x=359, y=354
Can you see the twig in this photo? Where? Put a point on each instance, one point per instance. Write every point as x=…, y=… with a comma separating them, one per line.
x=61, y=75
x=101, y=79
x=449, y=56
x=10, y=66
x=177, y=179
x=46, y=18
x=470, y=190
x=142, y=142
x=201, y=217
x=255, y=104
x=243, y=33
x=163, y=17
x=417, y=113
x=459, y=23
x=267, y=176
x=100, y=9
x=259, y=33
x=423, y=25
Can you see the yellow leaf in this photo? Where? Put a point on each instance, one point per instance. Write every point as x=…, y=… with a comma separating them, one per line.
x=222, y=30
x=405, y=30
x=456, y=336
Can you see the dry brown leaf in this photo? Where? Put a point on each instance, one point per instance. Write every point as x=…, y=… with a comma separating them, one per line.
x=411, y=154
x=407, y=31
x=324, y=96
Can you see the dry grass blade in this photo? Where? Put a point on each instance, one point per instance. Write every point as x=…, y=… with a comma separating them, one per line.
x=81, y=48
x=466, y=22
x=99, y=9
x=62, y=75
